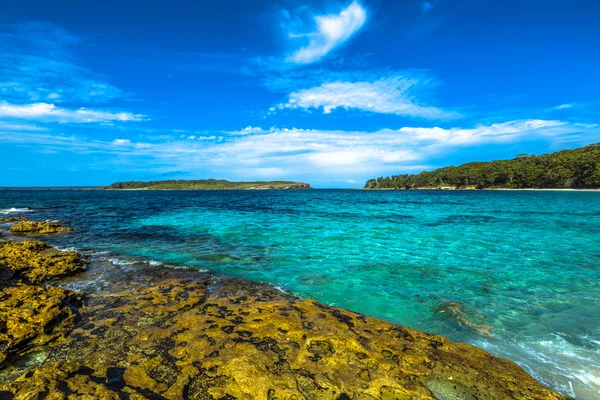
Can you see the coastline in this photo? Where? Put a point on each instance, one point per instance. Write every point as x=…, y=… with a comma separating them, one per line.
x=208, y=184
x=224, y=189
x=490, y=189
x=200, y=333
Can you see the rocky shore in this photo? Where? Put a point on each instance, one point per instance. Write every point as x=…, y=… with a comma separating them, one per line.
x=148, y=332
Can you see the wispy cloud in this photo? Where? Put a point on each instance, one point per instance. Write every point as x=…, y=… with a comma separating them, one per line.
x=329, y=32
x=37, y=63
x=391, y=95
x=564, y=106
x=9, y=126
x=324, y=154
x=129, y=143
x=249, y=130
x=52, y=113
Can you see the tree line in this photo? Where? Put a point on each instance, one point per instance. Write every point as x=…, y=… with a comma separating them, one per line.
x=567, y=169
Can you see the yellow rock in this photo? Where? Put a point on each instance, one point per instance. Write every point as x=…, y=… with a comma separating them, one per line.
x=32, y=316
x=11, y=219
x=186, y=336
x=27, y=227
x=39, y=262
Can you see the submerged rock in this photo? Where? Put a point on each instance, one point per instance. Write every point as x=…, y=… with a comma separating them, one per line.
x=185, y=335
x=38, y=262
x=32, y=316
x=456, y=310
x=27, y=227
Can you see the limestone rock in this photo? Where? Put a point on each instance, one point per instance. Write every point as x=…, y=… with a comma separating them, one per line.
x=39, y=262
x=11, y=219
x=27, y=227
x=32, y=316
x=188, y=336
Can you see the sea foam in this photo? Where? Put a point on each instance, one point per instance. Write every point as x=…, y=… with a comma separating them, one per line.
x=14, y=210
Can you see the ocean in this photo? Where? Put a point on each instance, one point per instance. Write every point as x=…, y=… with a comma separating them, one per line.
x=516, y=273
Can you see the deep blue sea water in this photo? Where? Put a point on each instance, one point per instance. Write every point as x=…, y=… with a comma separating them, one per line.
x=524, y=265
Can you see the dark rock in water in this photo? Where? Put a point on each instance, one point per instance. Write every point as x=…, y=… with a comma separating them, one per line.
x=6, y=275
x=27, y=227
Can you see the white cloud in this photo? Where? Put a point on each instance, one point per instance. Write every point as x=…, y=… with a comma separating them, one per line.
x=392, y=95
x=249, y=130
x=359, y=155
x=50, y=112
x=564, y=106
x=331, y=31
x=6, y=126
x=310, y=154
x=124, y=143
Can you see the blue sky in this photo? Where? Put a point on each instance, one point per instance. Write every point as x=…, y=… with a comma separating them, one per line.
x=327, y=92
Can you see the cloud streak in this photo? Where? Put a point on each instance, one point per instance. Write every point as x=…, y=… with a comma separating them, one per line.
x=330, y=32
x=392, y=95
x=37, y=63
x=51, y=113
x=304, y=153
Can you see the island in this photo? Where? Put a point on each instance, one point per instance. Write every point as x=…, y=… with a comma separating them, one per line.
x=207, y=184
x=567, y=169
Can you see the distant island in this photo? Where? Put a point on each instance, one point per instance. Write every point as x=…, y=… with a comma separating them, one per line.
x=207, y=184
x=567, y=169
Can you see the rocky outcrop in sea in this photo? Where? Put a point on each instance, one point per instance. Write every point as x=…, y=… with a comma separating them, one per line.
x=152, y=332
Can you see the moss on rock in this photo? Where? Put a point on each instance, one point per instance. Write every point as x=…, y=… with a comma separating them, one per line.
x=38, y=262
x=11, y=219
x=32, y=316
x=26, y=227
x=183, y=335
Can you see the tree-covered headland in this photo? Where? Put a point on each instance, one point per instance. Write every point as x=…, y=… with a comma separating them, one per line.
x=567, y=169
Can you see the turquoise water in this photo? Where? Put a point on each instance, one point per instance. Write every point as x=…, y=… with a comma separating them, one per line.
x=524, y=266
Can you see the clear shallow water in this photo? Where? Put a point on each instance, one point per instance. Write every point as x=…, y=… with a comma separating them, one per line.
x=524, y=265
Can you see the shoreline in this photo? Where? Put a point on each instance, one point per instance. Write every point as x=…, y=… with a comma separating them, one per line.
x=191, y=332
x=486, y=189
x=100, y=188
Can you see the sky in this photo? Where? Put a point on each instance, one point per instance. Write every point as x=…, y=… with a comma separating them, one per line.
x=327, y=92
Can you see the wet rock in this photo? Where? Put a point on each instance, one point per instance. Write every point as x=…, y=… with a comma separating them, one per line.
x=456, y=310
x=38, y=262
x=159, y=340
x=448, y=389
x=6, y=275
x=32, y=316
x=11, y=219
x=27, y=227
